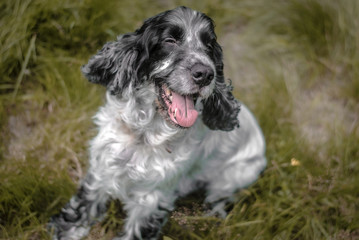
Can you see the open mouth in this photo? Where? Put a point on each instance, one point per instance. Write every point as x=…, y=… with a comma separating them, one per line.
x=179, y=109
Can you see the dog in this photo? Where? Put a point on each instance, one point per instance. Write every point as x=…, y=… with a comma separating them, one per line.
x=170, y=126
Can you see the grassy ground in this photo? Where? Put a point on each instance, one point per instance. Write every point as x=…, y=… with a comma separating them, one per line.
x=294, y=63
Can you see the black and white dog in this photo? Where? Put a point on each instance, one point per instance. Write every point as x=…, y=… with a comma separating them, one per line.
x=170, y=125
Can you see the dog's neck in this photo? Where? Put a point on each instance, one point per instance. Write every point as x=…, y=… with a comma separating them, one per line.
x=137, y=118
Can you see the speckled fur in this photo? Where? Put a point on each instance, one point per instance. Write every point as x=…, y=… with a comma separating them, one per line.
x=141, y=158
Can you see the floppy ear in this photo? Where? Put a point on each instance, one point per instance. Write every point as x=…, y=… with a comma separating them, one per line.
x=220, y=110
x=114, y=65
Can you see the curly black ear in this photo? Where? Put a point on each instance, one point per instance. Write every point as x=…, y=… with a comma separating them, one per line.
x=220, y=110
x=114, y=65
x=125, y=62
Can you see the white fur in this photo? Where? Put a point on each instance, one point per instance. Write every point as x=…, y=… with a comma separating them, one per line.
x=145, y=161
x=141, y=159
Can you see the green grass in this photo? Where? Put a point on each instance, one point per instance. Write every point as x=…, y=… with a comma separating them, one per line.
x=294, y=63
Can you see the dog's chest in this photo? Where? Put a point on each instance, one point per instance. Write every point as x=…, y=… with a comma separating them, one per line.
x=164, y=162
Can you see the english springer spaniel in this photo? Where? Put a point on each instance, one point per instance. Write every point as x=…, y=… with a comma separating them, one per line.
x=170, y=125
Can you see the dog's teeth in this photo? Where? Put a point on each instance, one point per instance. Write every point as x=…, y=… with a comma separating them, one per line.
x=167, y=91
x=174, y=115
x=170, y=97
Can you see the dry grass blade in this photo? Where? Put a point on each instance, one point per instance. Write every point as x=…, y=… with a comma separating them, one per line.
x=30, y=50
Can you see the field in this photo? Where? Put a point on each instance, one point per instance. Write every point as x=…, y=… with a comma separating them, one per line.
x=294, y=63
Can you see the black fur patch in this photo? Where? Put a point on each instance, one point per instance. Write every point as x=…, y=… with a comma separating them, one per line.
x=153, y=228
x=220, y=110
x=76, y=213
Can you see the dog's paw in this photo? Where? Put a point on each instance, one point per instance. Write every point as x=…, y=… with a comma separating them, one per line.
x=59, y=229
x=220, y=208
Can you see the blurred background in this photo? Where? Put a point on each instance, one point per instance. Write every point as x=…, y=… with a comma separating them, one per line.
x=295, y=63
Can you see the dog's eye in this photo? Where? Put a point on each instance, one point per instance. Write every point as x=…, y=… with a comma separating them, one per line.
x=170, y=41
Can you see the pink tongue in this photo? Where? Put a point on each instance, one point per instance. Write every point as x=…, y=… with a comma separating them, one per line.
x=186, y=115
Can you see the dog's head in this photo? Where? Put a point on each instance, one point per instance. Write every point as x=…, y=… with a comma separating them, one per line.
x=178, y=53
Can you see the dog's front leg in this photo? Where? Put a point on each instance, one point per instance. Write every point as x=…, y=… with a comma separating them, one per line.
x=145, y=217
x=80, y=213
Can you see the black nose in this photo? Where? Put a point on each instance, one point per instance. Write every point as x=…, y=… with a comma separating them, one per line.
x=202, y=75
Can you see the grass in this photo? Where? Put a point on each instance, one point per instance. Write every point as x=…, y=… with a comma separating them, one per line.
x=294, y=63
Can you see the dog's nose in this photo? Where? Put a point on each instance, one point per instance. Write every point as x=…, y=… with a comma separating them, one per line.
x=202, y=75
